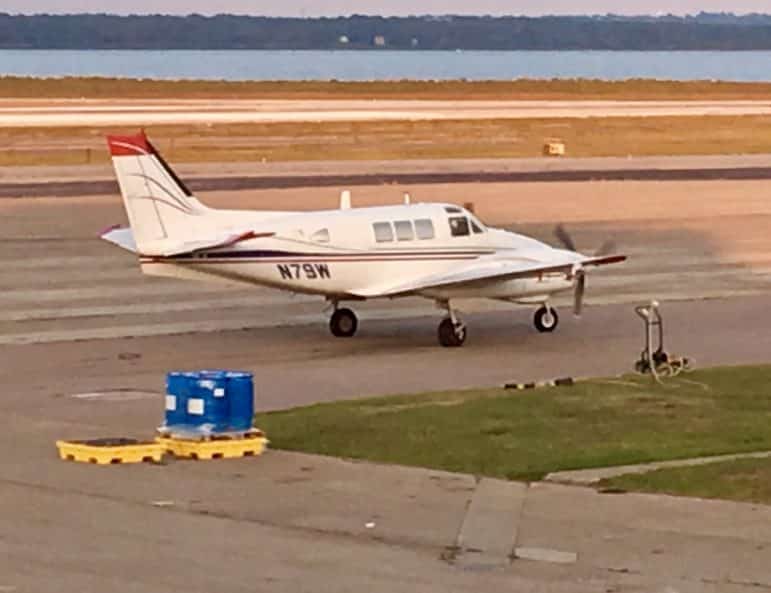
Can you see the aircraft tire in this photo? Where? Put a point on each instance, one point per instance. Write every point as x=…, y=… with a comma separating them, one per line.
x=546, y=320
x=451, y=336
x=343, y=323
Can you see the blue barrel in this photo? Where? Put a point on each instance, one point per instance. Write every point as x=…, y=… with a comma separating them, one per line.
x=241, y=401
x=207, y=408
x=179, y=387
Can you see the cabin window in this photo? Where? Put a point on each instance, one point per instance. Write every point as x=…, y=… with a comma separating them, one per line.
x=424, y=228
x=384, y=233
x=404, y=230
x=321, y=236
x=459, y=226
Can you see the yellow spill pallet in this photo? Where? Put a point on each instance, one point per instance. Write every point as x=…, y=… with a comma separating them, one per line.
x=249, y=445
x=110, y=451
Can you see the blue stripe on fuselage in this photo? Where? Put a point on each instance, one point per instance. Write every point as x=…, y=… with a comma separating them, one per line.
x=274, y=254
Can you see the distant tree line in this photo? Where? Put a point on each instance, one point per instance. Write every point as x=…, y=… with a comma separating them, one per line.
x=701, y=32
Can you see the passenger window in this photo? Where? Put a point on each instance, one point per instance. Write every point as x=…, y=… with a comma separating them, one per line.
x=383, y=232
x=424, y=228
x=321, y=236
x=404, y=230
x=459, y=226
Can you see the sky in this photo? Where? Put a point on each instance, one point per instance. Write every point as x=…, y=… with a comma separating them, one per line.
x=385, y=7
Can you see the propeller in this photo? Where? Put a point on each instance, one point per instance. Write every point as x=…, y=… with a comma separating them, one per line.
x=607, y=248
x=578, y=294
x=568, y=243
x=564, y=237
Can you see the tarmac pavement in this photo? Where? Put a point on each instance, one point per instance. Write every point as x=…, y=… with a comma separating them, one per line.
x=95, y=180
x=292, y=522
x=31, y=113
x=85, y=342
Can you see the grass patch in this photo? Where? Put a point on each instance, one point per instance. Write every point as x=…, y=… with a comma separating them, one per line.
x=124, y=88
x=402, y=140
x=746, y=480
x=525, y=435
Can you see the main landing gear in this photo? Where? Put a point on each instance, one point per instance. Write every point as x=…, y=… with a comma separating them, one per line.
x=343, y=323
x=452, y=331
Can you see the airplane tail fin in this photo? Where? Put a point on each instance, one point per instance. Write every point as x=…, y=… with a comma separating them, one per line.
x=159, y=205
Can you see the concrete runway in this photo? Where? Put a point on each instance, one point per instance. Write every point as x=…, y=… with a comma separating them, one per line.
x=23, y=182
x=685, y=241
x=30, y=113
x=85, y=342
x=54, y=176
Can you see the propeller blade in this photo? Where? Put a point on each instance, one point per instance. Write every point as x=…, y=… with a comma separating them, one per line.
x=578, y=295
x=607, y=248
x=564, y=237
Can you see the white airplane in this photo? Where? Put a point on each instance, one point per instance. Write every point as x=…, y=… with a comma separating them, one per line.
x=438, y=251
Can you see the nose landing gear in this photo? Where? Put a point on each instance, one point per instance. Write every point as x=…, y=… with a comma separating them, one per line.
x=546, y=319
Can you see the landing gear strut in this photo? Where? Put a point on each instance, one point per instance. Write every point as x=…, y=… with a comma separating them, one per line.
x=343, y=323
x=546, y=319
x=452, y=331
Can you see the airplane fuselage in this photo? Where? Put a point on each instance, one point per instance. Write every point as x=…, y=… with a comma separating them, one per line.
x=339, y=252
x=437, y=251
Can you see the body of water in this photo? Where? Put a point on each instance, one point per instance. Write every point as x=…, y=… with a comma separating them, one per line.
x=389, y=65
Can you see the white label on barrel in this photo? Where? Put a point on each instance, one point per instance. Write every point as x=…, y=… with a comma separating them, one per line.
x=171, y=402
x=219, y=392
x=195, y=406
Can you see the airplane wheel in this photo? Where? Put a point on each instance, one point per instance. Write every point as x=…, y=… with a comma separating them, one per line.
x=546, y=320
x=343, y=323
x=450, y=335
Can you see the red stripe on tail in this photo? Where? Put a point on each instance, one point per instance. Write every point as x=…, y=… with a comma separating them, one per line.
x=129, y=145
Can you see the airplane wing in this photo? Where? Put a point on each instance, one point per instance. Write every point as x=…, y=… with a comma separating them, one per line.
x=604, y=260
x=484, y=271
x=123, y=237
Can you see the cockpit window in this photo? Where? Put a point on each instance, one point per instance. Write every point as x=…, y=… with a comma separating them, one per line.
x=476, y=227
x=384, y=233
x=452, y=210
x=459, y=226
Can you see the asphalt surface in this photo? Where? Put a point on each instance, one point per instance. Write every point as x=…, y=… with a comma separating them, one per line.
x=31, y=113
x=85, y=342
x=204, y=184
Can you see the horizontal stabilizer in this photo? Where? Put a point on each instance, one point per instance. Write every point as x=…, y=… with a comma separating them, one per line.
x=122, y=237
x=182, y=248
x=167, y=248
